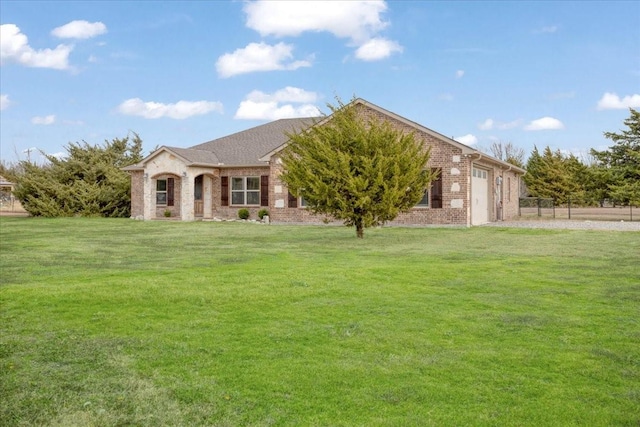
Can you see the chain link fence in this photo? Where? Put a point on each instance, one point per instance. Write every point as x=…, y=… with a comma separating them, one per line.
x=9, y=204
x=576, y=209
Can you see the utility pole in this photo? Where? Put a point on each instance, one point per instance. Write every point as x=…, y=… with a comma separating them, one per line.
x=28, y=151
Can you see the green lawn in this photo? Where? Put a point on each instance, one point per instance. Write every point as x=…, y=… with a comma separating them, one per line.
x=131, y=323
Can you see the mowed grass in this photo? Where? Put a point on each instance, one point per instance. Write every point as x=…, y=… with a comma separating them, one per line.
x=130, y=323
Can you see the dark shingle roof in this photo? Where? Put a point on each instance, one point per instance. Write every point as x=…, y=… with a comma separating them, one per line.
x=248, y=146
x=196, y=156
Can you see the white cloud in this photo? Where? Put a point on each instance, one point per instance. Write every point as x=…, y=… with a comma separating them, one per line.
x=79, y=30
x=493, y=124
x=155, y=110
x=44, y=120
x=258, y=57
x=376, y=49
x=356, y=20
x=60, y=155
x=4, y=102
x=545, y=123
x=262, y=106
x=486, y=125
x=509, y=125
x=459, y=74
x=14, y=47
x=467, y=139
x=288, y=94
x=611, y=101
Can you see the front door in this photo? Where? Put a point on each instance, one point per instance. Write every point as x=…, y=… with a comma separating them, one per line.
x=198, y=202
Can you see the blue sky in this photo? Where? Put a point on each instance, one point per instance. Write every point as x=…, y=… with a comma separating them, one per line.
x=182, y=73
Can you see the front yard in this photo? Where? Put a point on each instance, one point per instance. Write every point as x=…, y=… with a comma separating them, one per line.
x=119, y=322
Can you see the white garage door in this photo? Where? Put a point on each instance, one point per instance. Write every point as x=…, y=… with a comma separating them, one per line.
x=479, y=196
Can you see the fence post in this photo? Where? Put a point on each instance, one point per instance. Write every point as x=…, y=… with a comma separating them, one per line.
x=539, y=206
x=519, y=206
x=569, y=207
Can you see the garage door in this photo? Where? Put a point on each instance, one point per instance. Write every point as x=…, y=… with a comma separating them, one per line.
x=479, y=196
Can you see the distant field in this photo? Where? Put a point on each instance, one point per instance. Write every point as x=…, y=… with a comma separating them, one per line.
x=121, y=322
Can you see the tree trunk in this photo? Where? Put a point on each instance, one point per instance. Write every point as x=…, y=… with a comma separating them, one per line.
x=359, y=230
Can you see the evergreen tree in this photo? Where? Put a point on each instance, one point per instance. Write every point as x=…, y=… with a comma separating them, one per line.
x=356, y=169
x=88, y=181
x=595, y=181
x=553, y=175
x=620, y=164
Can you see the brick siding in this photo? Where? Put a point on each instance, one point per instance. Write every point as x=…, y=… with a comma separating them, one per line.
x=231, y=211
x=137, y=193
x=442, y=156
x=177, y=194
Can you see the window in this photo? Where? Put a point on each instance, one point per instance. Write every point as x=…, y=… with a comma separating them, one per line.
x=197, y=189
x=161, y=192
x=508, y=189
x=292, y=200
x=432, y=197
x=424, y=202
x=295, y=202
x=164, y=192
x=479, y=173
x=245, y=190
x=251, y=190
x=436, y=189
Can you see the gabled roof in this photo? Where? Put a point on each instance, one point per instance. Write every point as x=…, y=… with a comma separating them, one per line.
x=464, y=148
x=193, y=157
x=248, y=146
x=243, y=148
x=255, y=146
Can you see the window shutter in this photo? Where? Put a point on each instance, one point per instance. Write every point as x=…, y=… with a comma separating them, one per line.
x=264, y=190
x=170, y=187
x=436, y=190
x=224, y=191
x=293, y=201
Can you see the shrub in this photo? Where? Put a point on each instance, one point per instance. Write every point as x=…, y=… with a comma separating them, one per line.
x=167, y=213
x=243, y=213
x=262, y=213
x=87, y=181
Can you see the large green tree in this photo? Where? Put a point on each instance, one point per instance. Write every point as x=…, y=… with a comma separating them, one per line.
x=355, y=168
x=87, y=181
x=554, y=175
x=620, y=164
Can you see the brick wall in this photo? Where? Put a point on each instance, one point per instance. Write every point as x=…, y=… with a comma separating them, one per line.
x=137, y=193
x=511, y=185
x=177, y=195
x=448, y=158
x=231, y=212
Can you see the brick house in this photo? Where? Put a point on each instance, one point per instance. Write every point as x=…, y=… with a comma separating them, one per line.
x=217, y=178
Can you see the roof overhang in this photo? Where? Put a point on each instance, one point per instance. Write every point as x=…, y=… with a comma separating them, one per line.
x=164, y=149
x=500, y=163
x=359, y=101
x=466, y=150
